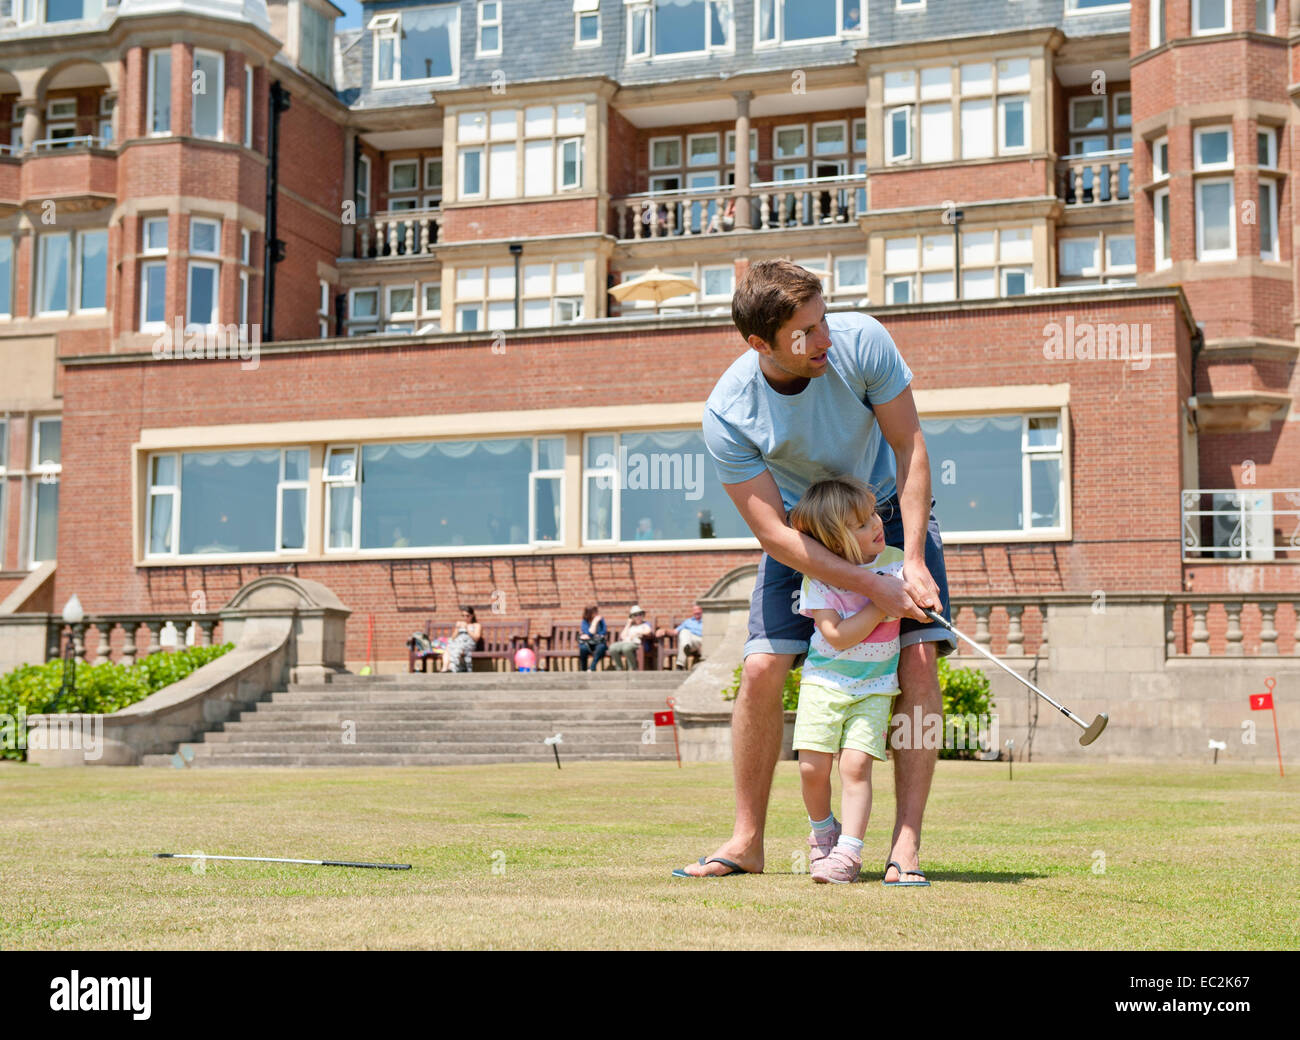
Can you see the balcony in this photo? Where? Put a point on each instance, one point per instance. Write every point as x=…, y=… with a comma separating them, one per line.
x=1095, y=179
x=773, y=205
x=398, y=234
x=51, y=144
x=1247, y=524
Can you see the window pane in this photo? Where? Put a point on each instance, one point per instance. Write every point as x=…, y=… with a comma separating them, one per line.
x=293, y=518
x=985, y=452
x=164, y=471
x=155, y=289
x=1044, y=432
x=600, y=509
x=1266, y=246
x=295, y=464
x=977, y=248
x=445, y=493
x=667, y=481
x=46, y=540
x=1213, y=14
x=54, y=273
x=203, y=236
x=229, y=501
x=1045, y=492
x=679, y=26
x=600, y=452
x=937, y=287
x=162, y=92
x=160, y=523
x=537, y=313
x=49, y=447
x=936, y=132
x=1078, y=256
x=471, y=172
x=207, y=95
x=1216, y=217
x=1121, y=251
x=1214, y=148
x=977, y=128
x=341, y=498
x=979, y=285
x=539, y=168
x=1013, y=124
x=808, y=19
x=94, y=270
x=550, y=453
x=546, y=509
x=202, y=295
x=427, y=42
x=501, y=172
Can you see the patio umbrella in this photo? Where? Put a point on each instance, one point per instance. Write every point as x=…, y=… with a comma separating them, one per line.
x=655, y=285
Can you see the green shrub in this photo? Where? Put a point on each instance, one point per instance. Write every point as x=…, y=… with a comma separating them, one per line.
x=100, y=688
x=965, y=692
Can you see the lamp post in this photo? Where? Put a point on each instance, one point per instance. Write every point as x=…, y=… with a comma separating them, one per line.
x=73, y=616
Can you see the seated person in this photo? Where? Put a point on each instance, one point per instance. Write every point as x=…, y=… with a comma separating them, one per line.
x=690, y=636
x=592, y=639
x=623, y=653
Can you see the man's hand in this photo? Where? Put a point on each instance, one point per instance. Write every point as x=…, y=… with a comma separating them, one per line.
x=892, y=596
x=920, y=587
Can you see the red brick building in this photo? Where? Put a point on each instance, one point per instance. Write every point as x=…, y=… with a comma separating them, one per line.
x=1077, y=226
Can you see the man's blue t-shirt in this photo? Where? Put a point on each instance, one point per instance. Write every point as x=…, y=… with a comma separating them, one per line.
x=826, y=430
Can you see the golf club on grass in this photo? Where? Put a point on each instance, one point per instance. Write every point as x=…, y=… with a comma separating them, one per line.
x=1090, y=732
x=270, y=859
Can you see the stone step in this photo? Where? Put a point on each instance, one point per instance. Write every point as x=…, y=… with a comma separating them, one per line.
x=531, y=748
x=502, y=680
x=461, y=699
x=363, y=760
x=521, y=730
x=400, y=715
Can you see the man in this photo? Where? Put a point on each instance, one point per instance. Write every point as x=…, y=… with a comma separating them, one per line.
x=815, y=397
x=690, y=637
x=623, y=653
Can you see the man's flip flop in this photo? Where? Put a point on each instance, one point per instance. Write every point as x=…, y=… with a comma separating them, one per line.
x=735, y=869
x=901, y=872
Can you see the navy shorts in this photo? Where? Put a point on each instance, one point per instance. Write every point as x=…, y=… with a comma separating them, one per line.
x=777, y=627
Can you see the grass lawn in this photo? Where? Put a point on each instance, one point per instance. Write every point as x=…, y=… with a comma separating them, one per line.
x=523, y=856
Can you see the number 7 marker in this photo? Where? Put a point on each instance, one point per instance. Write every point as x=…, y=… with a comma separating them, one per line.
x=1264, y=702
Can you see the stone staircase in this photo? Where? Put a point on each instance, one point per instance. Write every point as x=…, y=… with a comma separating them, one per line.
x=442, y=719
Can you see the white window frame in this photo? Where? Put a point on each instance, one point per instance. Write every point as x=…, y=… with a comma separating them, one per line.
x=578, y=16
x=372, y=319
x=152, y=491
x=41, y=473
x=399, y=316
x=1203, y=131
x=78, y=260
x=1226, y=254
x=908, y=119
x=425, y=309
x=210, y=222
x=342, y=480
x=248, y=106
x=388, y=26
x=1197, y=29
x=69, y=276
x=243, y=297
x=461, y=155
x=534, y=475
x=1270, y=212
x=145, y=324
x=1159, y=167
x=190, y=268
x=1271, y=133
x=646, y=9
x=393, y=166
x=1162, y=259
x=900, y=279
x=283, y=485
x=840, y=33
x=1270, y=9
x=1090, y=99
x=151, y=90
x=482, y=22
x=1003, y=101
x=1156, y=24
x=675, y=139
x=220, y=95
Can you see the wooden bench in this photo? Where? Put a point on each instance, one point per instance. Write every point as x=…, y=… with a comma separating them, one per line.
x=667, y=651
x=499, y=641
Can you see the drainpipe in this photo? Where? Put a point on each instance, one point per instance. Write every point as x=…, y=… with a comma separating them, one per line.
x=516, y=249
x=273, y=248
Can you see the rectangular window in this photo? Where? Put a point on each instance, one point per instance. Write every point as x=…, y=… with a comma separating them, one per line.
x=432, y=298
x=539, y=167
x=363, y=305
x=1160, y=159
x=248, y=106
x=159, y=115
x=418, y=44
x=92, y=270
x=342, y=501
x=898, y=290
x=1088, y=113
x=936, y=132
x=586, y=29
x=404, y=175
x=1266, y=16
x=226, y=502
x=1013, y=121
x=1267, y=149
x=471, y=172
x=653, y=486
x=362, y=194
x=52, y=290
x=205, y=236
x=314, y=43
x=1009, y=473
x=153, y=296
x=291, y=516
x=47, y=466
x=1268, y=219
x=202, y=294
x=163, y=510
x=502, y=180
x=1156, y=30
x=977, y=128
x=1213, y=148
x=400, y=301
x=1211, y=16
x=1080, y=257
x=1216, y=237
x=1161, y=206
x=243, y=298
x=489, y=27
x=898, y=130
x=546, y=492
x=570, y=161
x=208, y=89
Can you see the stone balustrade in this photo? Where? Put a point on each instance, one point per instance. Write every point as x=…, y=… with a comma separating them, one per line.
x=398, y=233
x=1097, y=179
x=103, y=626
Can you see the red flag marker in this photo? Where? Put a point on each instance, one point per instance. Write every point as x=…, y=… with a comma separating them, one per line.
x=669, y=718
x=1264, y=702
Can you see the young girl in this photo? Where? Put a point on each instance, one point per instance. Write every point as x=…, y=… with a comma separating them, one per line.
x=850, y=677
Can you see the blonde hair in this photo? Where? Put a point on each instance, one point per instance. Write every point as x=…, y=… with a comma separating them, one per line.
x=830, y=509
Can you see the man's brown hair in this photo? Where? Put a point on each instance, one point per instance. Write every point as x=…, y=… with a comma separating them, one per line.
x=769, y=292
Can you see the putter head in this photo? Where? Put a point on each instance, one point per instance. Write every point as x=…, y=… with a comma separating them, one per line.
x=1094, y=731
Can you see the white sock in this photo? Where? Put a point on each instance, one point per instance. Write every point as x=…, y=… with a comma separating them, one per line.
x=854, y=845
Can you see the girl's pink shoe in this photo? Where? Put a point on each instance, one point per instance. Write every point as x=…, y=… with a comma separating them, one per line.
x=820, y=848
x=838, y=867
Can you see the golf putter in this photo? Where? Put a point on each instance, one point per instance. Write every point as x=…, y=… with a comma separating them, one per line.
x=1090, y=732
